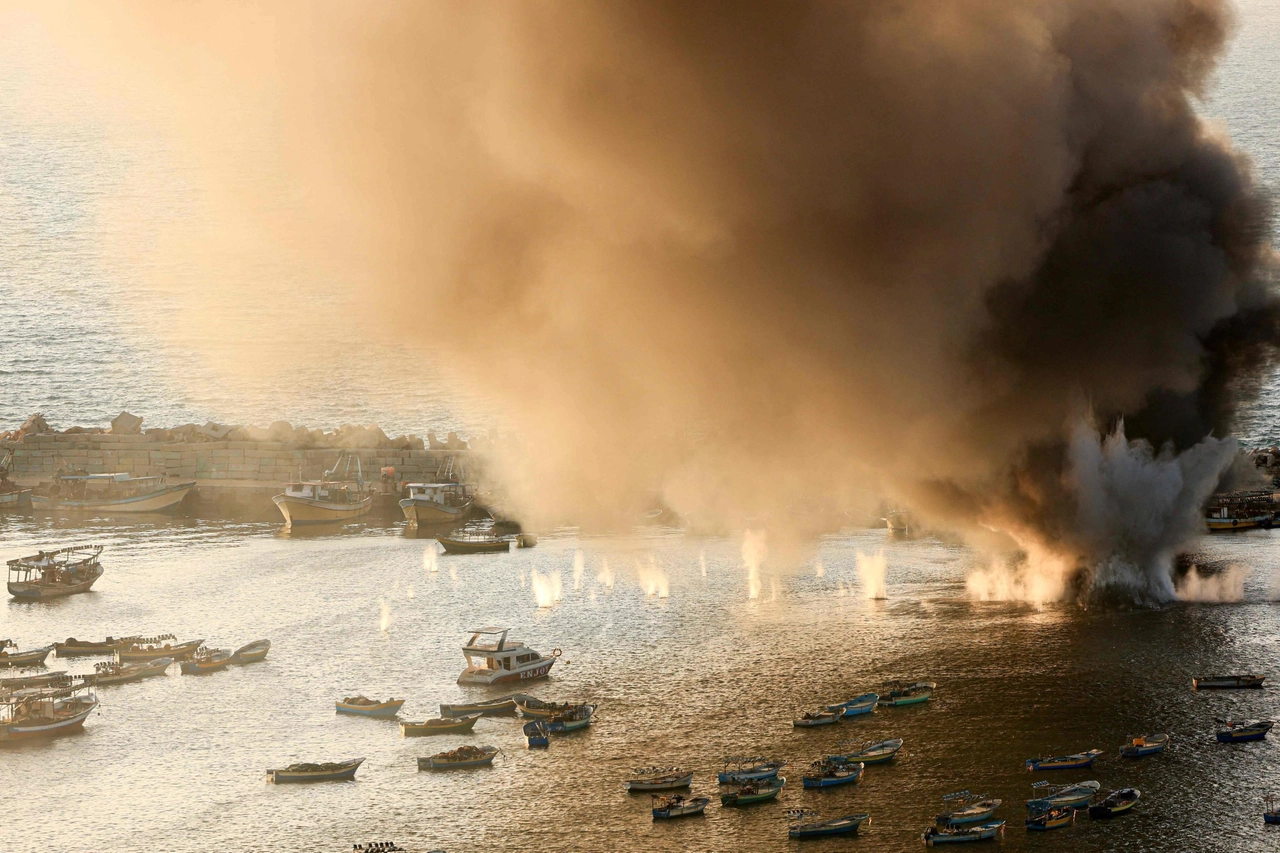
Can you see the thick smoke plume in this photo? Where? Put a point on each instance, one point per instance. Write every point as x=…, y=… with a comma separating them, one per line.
x=776, y=261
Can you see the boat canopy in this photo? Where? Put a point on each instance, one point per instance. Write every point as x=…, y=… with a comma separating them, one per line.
x=118, y=477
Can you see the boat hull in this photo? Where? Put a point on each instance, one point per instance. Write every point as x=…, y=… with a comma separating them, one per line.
x=18, y=500
x=159, y=501
x=736, y=799
x=473, y=546
x=344, y=773
x=731, y=778
x=671, y=783
x=193, y=667
x=454, y=726
x=306, y=511
x=479, y=675
x=436, y=763
x=859, y=710
x=179, y=652
x=900, y=701
x=1229, y=682
x=430, y=512
x=382, y=710
x=497, y=707
x=1219, y=525
x=686, y=809
x=842, y=826
x=825, y=720
x=830, y=781
x=252, y=653
x=963, y=818
x=933, y=836
x=31, y=657
x=1243, y=737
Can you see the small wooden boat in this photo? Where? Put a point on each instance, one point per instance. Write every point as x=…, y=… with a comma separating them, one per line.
x=1271, y=812
x=1115, y=803
x=537, y=734
x=756, y=791
x=492, y=708
x=154, y=648
x=816, y=718
x=336, y=771
x=10, y=656
x=442, y=726
x=864, y=704
x=205, y=661
x=870, y=752
x=1241, y=731
x=74, y=648
x=55, y=574
x=1144, y=745
x=1050, y=819
x=1228, y=682
x=659, y=779
x=901, y=693
x=1075, y=796
x=965, y=808
x=799, y=827
x=935, y=835
x=363, y=706
x=473, y=541
x=49, y=712
x=110, y=493
x=828, y=774
x=666, y=808
x=570, y=721
x=1064, y=762
x=739, y=769
x=460, y=759
x=251, y=652
x=538, y=709
x=110, y=672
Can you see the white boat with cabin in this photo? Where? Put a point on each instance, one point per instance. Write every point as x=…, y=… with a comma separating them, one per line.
x=493, y=659
x=433, y=503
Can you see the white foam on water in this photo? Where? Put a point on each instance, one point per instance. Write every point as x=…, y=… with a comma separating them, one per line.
x=546, y=588
x=871, y=571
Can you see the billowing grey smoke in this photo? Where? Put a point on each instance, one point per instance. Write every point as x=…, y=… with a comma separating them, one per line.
x=864, y=248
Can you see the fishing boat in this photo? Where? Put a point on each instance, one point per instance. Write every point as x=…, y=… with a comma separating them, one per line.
x=536, y=733
x=742, y=768
x=1243, y=510
x=251, y=652
x=323, y=501
x=538, y=709
x=474, y=541
x=800, y=825
x=110, y=493
x=1075, y=796
x=902, y=693
x=492, y=708
x=864, y=704
x=10, y=656
x=48, y=712
x=154, y=648
x=363, y=706
x=334, y=771
x=54, y=574
x=829, y=774
x=1039, y=821
x=205, y=661
x=1242, y=731
x=1115, y=803
x=1064, y=762
x=752, y=792
x=500, y=660
x=1271, y=810
x=870, y=752
x=659, y=779
x=74, y=648
x=815, y=718
x=110, y=672
x=572, y=720
x=1144, y=745
x=935, y=835
x=1228, y=682
x=13, y=498
x=432, y=503
x=46, y=679
x=462, y=758
x=442, y=726
x=965, y=808
x=666, y=808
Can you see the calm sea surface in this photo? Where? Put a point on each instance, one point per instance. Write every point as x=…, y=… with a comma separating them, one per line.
x=687, y=677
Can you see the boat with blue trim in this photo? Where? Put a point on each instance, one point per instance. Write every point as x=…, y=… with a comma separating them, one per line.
x=1075, y=796
x=864, y=704
x=799, y=827
x=363, y=706
x=752, y=792
x=205, y=661
x=828, y=774
x=935, y=835
x=870, y=752
x=668, y=808
x=578, y=717
x=742, y=768
x=1242, y=731
x=536, y=733
x=1115, y=803
x=1251, y=681
x=898, y=693
x=1144, y=745
x=1074, y=761
x=659, y=779
x=965, y=808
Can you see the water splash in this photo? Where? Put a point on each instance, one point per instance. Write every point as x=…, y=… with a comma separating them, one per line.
x=579, y=566
x=754, y=552
x=523, y=584
x=653, y=580
x=871, y=569
x=702, y=562
x=384, y=621
x=1219, y=587
x=605, y=575
x=409, y=592
x=546, y=588
x=453, y=573
x=818, y=570
x=431, y=559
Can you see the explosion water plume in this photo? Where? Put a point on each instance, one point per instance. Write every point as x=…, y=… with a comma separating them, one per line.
x=871, y=571
x=755, y=551
x=579, y=566
x=546, y=588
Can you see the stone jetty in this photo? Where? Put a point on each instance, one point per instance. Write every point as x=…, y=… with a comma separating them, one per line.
x=236, y=468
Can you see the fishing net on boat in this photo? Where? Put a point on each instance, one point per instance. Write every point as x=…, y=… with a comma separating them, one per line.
x=462, y=753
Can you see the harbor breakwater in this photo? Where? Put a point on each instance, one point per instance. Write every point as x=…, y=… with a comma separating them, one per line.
x=238, y=477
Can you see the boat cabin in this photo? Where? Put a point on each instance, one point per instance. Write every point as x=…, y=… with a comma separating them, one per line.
x=324, y=491
x=498, y=653
x=445, y=494
x=105, y=486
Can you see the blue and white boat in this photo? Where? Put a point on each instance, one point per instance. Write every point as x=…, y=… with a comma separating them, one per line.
x=1050, y=797
x=935, y=835
x=1241, y=731
x=870, y=752
x=667, y=808
x=864, y=704
x=965, y=808
x=800, y=827
x=742, y=768
x=536, y=732
x=828, y=774
x=1144, y=745
x=1075, y=761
